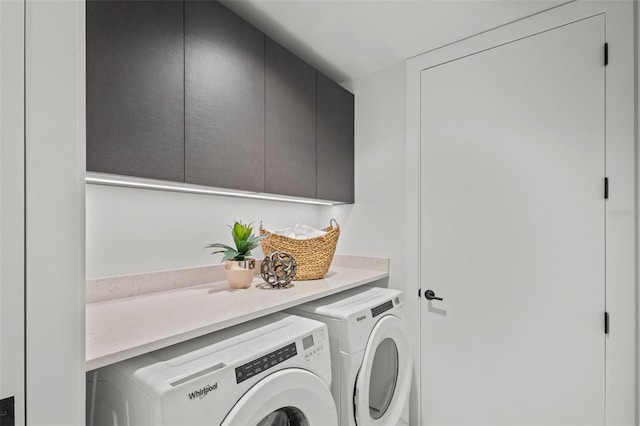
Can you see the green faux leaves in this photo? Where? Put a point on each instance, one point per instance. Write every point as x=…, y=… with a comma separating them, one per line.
x=244, y=240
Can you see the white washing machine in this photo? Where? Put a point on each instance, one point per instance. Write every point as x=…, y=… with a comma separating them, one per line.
x=274, y=370
x=370, y=354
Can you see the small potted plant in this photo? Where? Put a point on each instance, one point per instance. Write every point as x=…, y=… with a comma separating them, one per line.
x=239, y=265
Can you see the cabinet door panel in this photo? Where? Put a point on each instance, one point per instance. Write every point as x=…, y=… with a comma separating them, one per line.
x=290, y=123
x=335, y=142
x=224, y=108
x=135, y=88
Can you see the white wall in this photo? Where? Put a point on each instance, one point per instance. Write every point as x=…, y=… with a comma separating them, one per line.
x=134, y=230
x=374, y=225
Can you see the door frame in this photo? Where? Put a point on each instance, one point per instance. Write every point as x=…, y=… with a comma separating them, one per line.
x=621, y=218
x=12, y=207
x=55, y=112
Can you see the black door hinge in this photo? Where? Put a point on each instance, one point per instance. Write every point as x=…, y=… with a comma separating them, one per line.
x=606, y=323
x=606, y=54
x=419, y=292
x=606, y=188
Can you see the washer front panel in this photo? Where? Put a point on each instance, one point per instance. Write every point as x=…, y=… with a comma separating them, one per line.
x=291, y=388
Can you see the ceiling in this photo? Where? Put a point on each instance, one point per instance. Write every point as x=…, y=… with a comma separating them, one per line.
x=346, y=39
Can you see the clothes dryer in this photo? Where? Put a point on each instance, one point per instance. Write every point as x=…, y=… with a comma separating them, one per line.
x=271, y=371
x=370, y=354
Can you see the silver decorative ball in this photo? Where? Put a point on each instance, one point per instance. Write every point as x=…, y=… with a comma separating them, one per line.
x=278, y=269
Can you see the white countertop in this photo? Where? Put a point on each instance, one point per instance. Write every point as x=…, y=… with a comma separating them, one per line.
x=127, y=327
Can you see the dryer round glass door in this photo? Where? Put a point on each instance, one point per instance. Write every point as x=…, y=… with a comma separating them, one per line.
x=384, y=379
x=287, y=397
x=384, y=376
x=286, y=416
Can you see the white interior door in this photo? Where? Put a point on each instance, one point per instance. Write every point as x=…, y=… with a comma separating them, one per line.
x=513, y=233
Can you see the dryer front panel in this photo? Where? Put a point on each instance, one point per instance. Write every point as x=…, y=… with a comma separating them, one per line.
x=384, y=380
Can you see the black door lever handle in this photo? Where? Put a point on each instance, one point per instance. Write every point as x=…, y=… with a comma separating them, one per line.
x=430, y=295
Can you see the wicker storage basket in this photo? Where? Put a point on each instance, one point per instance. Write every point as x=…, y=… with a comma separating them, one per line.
x=313, y=255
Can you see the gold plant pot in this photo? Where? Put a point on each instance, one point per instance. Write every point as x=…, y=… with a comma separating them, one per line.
x=240, y=272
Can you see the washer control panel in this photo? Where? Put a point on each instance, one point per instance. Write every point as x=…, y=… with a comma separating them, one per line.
x=381, y=308
x=265, y=362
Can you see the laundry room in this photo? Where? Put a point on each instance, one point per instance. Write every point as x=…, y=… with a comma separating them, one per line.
x=310, y=212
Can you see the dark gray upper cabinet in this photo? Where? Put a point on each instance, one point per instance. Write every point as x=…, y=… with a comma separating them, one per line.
x=335, y=141
x=188, y=91
x=135, y=88
x=290, y=123
x=224, y=108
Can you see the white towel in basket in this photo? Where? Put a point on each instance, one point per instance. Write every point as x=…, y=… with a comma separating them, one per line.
x=299, y=232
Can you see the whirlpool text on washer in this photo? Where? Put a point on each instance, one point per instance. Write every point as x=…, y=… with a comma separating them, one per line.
x=201, y=393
